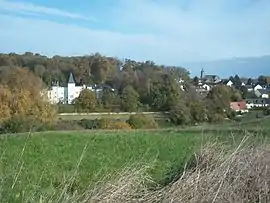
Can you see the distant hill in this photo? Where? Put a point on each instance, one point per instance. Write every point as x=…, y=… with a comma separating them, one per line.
x=245, y=67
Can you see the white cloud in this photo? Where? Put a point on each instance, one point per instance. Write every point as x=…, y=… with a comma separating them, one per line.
x=164, y=32
x=27, y=8
x=51, y=38
x=215, y=29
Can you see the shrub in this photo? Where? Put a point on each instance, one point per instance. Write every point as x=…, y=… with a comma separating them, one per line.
x=67, y=125
x=15, y=125
x=238, y=119
x=66, y=108
x=180, y=115
x=215, y=118
x=89, y=124
x=113, y=124
x=22, y=124
x=140, y=121
x=266, y=111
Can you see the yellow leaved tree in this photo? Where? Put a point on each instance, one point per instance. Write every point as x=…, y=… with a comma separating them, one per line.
x=21, y=97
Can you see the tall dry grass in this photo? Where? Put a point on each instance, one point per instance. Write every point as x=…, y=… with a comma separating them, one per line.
x=240, y=175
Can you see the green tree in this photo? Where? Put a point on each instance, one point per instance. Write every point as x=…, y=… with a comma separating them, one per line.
x=218, y=101
x=179, y=73
x=165, y=93
x=110, y=98
x=249, y=82
x=130, y=99
x=195, y=80
x=86, y=101
x=237, y=82
x=198, y=111
x=180, y=114
x=262, y=80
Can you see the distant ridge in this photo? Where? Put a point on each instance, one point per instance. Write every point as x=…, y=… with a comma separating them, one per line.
x=243, y=66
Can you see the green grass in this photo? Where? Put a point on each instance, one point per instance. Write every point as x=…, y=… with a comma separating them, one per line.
x=50, y=158
x=41, y=163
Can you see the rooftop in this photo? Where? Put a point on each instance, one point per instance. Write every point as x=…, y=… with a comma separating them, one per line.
x=71, y=78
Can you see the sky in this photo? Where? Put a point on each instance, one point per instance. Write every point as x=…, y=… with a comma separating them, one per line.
x=168, y=32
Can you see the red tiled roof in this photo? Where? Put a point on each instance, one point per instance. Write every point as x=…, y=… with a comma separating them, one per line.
x=238, y=106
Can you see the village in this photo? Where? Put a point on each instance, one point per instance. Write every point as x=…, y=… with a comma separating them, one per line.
x=257, y=94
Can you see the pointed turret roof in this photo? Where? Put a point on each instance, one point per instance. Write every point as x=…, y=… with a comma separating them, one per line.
x=71, y=78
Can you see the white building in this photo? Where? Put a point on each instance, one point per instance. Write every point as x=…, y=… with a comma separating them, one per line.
x=229, y=83
x=258, y=87
x=58, y=94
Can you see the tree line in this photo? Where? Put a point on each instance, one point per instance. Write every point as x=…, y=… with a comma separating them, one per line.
x=139, y=86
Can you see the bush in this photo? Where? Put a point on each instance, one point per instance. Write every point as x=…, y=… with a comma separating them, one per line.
x=67, y=125
x=66, y=108
x=215, y=118
x=180, y=115
x=140, y=121
x=89, y=124
x=238, y=119
x=113, y=124
x=232, y=114
x=266, y=111
x=15, y=125
x=20, y=124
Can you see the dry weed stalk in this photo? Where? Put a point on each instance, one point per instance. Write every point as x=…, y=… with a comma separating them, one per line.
x=239, y=176
x=242, y=176
x=130, y=187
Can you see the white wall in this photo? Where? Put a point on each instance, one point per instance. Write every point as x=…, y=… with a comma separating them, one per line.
x=229, y=83
x=206, y=87
x=71, y=92
x=67, y=94
x=258, y=87
x=56, y=94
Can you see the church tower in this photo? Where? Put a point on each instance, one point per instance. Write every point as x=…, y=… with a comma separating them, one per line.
x=71, y=88
x=202, y=74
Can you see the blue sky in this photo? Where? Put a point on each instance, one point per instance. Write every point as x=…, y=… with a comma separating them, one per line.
x=165, y=31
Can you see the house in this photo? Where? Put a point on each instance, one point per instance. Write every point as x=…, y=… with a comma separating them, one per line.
x=257, y=87
x=244, y=81
x=206, y=87
x=200, y=89
x=262, y=93
x=197, y=92
x=249, y=88
x=59, y=94
x=259, y=102
x=227, y=82
x=239, y=106
x=254, y=81
x=209, y=79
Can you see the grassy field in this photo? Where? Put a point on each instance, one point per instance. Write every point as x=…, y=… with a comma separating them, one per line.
x=41, y=165
x=45, y=160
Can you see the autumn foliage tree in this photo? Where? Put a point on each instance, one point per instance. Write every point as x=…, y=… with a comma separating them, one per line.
x=22, y=97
